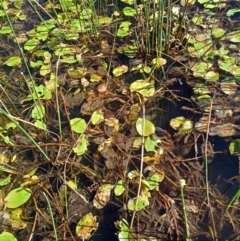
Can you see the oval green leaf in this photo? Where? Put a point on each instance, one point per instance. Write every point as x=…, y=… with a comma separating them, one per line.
x=234, y=147
x=17, y=197
x=150, y=144
x=137, y=204
x=119, y=188
x=130, y=12
x=78, y=125
x=81, y=147
x=6, y=236
x=145, y=87
x=31, y=44
x=13, y=61
x=148, y=128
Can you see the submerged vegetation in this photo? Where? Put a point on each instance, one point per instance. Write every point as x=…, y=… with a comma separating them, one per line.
x=90, y=132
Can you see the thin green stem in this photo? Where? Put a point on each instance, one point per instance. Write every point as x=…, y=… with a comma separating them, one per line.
x=51, y=215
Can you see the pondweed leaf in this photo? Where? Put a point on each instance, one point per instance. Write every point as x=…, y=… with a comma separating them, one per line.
x=13, y=61
x=6, y=236
x=86, y=226
x=146, y=130
x=81, y=147
x=17, y=197
x=102, y=196
x=125, y=234
x=234, y=147
x=97, y=117
x=38, y=112
x=78, y=125
x=119, y=188
x=130, y=12
x=150, y=144
x=145, y=87
x=120, y=70
x=175, y=123
x=137, y=204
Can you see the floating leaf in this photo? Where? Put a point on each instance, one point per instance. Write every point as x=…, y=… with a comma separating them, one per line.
x=31, y=44
x=77, y=73
x=235, y=71
x=155, y=158
x=16, y=222
x=5, y=30
x=150, y=145
x=17, y=197
x=86, y=226
x=102, y=196
x=130, y=12
x=218, y=32
x=119, y=188
x=227, y=63
x=120, y=70
x=177, y=122
x=145, y=87
x=137, y=204
x=234, y=147
x=125, y=234
x=8, y=170
x=123, y=29
x=212, y=76
x=232, y=11
x=130, y=2
x=6, y=236
x=186, y=127
x=45, y=69
x=78, y=125
x=40, y=124
x=81, y=147
x=234, y=36
x=229, y=86
x=97, y=117
x=201, y=89
x=38, y=112
x=146, y=130
x=95, y=77
x=155, y=179
x=159, y=62
x=38, y=63
x=133, y=174
x=137, y=142
x=199, y=70
x=13, y=61
x=147, y=69
x=5, y=181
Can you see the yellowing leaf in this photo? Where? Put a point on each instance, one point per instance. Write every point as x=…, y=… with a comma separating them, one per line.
x=120, y=70
x=78, y=125
x=145, y=87
x=17, y=197
x=97, y=117
x=146, y=130
x=86, y=226
x=154, y=158
x=102, y=196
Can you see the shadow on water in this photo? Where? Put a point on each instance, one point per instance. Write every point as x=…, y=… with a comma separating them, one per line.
x=223, y=170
